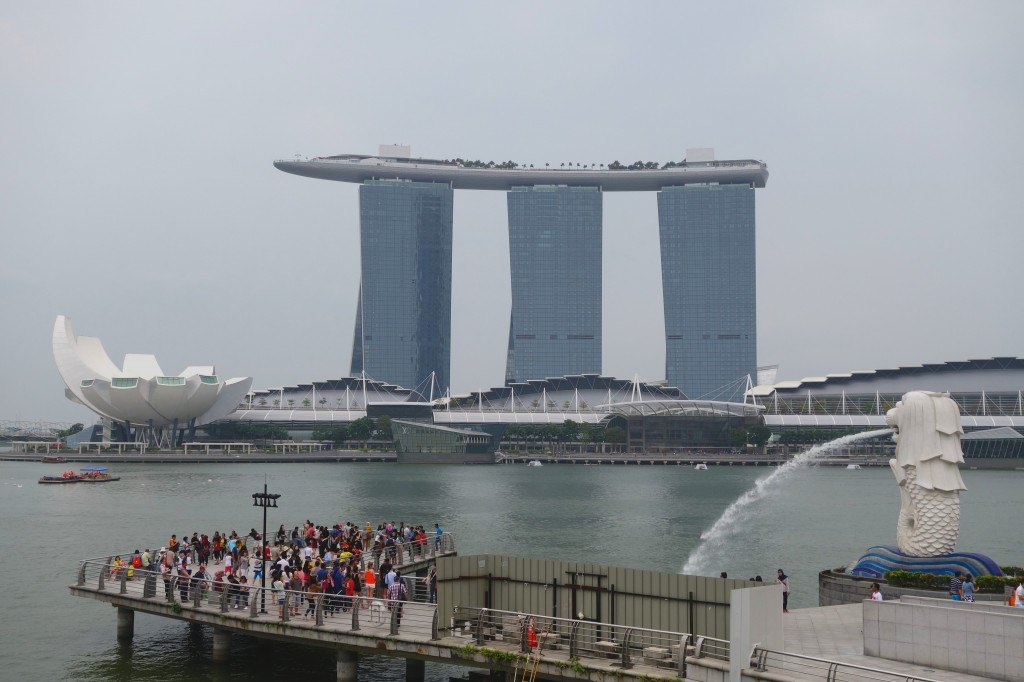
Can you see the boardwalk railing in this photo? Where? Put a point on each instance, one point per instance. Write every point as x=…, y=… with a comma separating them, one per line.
x=332, y=611
x=808, y=667
x=583, y=638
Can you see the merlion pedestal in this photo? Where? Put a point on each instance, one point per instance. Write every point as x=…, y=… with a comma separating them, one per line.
x=927, y=434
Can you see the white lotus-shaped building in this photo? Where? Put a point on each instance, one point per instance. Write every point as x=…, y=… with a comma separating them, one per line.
x=139, y=393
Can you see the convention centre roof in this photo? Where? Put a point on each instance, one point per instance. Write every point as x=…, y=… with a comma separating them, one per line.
x=999, y=374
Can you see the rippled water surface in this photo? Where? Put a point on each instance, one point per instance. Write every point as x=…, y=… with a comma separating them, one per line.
x=647, y=517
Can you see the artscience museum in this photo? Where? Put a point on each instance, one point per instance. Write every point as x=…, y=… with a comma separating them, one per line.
x=142, y=402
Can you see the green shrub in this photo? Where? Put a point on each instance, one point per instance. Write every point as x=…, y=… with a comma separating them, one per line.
x=990, y=583
x=1012, y=570
x=920, y=581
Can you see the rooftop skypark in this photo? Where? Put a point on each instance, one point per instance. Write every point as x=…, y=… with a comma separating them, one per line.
x=394, y=162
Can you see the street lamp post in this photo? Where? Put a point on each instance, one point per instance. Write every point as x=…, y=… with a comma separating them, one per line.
x=264, y=499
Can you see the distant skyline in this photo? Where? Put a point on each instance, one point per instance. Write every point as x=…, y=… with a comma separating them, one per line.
x=140, y=197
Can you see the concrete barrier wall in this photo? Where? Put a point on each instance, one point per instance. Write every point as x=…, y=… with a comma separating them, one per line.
x=836, y=589
x=755, y=619
x=978, y=642
x=987, y=607
x=623, y=596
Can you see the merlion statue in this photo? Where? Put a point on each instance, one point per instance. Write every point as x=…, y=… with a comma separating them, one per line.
x=927, y=434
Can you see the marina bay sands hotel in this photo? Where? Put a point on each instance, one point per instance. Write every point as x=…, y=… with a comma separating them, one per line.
x=403, y=318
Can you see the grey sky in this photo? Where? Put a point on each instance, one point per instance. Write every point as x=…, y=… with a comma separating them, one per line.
x=139, y=196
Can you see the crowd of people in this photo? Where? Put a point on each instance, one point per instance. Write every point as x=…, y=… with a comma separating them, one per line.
x=343, y=562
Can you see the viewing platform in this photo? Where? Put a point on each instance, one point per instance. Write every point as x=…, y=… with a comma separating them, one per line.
x=516, y=642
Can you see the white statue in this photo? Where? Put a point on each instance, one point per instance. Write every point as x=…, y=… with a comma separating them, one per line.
x=928, y=451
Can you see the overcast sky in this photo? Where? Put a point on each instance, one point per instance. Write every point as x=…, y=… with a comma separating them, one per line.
x=139, y=196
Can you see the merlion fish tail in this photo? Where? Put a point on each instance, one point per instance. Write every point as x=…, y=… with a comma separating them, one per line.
x=929, y=520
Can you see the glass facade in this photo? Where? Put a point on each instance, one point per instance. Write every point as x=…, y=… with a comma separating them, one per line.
x=708, y=284
x=555, y=252
x=403, y=317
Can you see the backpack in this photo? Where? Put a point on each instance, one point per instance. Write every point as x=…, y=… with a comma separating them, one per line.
x=136, y=561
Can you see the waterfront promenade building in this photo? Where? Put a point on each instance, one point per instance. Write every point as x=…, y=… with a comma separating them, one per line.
x=706, y=217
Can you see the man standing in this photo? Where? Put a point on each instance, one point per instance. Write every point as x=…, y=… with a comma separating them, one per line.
x=955, y=585
x=397, y=594
x=437, y=537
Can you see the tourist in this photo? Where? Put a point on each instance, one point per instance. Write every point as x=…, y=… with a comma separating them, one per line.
x=116, y=567
x=967, y=588
x=390, y=577
x=955, y=584
x=277, y=586
x=234, y=595
x=146, y=559
x=165, y=574
x=723, y=575
x=296, y=585
x=184, y=581
x=350, y=590
x=432, y=584
x=397, y=594
x=783, y=580
x=758, y=579
x=313, y=592
x=202, y=581
x=172, y=544
x=257, y=569
x=1019, y=595
x=243, y=591
x=437, y=537
x=369, y=584
x=876, y=592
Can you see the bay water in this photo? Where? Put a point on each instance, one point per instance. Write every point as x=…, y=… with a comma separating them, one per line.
x=639, y=516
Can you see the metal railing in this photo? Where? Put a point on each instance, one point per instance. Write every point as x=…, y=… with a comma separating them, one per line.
x=627, y=645
x=338, y=612
x=810, y=667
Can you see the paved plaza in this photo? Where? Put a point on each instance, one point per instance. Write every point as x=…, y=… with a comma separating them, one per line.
x=836, y=633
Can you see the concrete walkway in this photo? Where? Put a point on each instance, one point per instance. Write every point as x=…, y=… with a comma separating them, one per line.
x=835, y=633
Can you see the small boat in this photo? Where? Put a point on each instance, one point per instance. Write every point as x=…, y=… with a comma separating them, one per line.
x=534, y=463
x=54, y=459
x=700, y=466
x=853, y=466
x=87, y=475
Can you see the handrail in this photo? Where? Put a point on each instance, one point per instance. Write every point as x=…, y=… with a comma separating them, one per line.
x=762, y=655
x=535, y=633
x=202, y=593
x=596, y=624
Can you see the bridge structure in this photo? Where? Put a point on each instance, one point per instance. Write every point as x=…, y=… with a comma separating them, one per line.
x=15, y=429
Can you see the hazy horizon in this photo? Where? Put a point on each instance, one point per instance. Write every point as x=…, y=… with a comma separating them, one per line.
x=141, y=199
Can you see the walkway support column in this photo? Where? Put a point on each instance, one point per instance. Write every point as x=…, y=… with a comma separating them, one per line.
x=348, y=665
x=125, y=623
x=415, y=670
x=221, y=645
